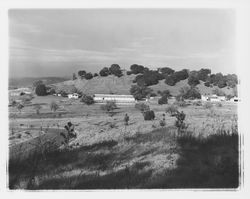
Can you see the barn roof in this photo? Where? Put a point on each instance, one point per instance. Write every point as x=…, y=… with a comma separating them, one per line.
x=113, y=96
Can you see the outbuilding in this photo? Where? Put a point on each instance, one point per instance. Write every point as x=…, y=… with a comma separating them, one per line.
x=119, y=99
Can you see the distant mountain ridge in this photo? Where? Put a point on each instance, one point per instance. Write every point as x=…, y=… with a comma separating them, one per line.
x=28, y=81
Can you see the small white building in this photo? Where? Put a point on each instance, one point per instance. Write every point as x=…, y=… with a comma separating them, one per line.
x=119, y=99
x=73, y=96
x=213, y=98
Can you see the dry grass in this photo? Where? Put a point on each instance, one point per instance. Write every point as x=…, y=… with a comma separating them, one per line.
x=112, y=155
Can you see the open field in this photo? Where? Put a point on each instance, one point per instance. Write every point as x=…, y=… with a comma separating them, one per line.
x=109, y=154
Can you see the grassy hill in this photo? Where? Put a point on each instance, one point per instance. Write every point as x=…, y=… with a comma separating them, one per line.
x=122, y=85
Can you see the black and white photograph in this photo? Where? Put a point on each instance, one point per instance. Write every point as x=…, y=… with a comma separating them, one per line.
x=123, y=99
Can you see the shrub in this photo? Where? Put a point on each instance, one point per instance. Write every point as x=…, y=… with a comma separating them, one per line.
x=163, y=100
x=219, y=104
x=180, y=103
x=95, y=75
x=41, y=90
x=172, y=109
x=19, y=107
x=208, y=105
x=87, y=99
x=109, y=106
x=142, y=107
x=149, y=115
x=54, y=106
x=37, y=108
x=197, y=103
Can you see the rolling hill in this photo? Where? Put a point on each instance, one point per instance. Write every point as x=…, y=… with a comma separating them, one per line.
x=122, y=85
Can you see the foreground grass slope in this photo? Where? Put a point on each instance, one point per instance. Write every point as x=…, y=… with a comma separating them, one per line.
x=189, y=162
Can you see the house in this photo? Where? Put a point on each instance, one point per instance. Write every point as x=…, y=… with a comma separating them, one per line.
x=73, y=96
x=213, y=98
x=119, y=99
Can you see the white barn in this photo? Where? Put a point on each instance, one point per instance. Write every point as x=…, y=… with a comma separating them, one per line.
x=213, y=98
x=119, y=99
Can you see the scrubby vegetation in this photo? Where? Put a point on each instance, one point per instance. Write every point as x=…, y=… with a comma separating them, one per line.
x=87, y=99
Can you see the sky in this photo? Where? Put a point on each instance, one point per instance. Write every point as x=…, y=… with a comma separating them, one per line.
x=61, y=42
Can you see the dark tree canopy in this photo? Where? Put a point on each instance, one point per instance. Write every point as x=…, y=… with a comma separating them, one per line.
x=167, y=71
x=193, y=79
x=104, y=72
x=170, y=80
x=135, y=68
x=115, y=70
x=189, y=93
x=88, y=76
x=203, y=74
x=41, y=90
x=81, y=73
x=140, y=92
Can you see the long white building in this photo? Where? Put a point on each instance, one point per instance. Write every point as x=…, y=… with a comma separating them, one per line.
x=119, y=99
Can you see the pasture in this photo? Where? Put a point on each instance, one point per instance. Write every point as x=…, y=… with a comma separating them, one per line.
x=109, y=154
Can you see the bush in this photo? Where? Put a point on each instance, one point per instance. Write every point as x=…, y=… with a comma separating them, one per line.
x=197, y=103
x=87, y=99
x=54, y=106
x=163, y=100
x=172, y=109
x=41, y=90
x=109, y=106
x=219, y=104
x=208, y=105
x=142, y=107
x=180, y=103
x=95, y=75
x=149, y=115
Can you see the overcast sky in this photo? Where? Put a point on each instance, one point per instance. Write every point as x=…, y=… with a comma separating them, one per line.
x=60, y=42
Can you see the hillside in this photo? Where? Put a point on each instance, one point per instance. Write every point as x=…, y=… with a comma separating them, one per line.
x=122, y=85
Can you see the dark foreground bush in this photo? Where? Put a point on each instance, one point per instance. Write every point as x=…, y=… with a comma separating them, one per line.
x=210, y=162
x=149, y=115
